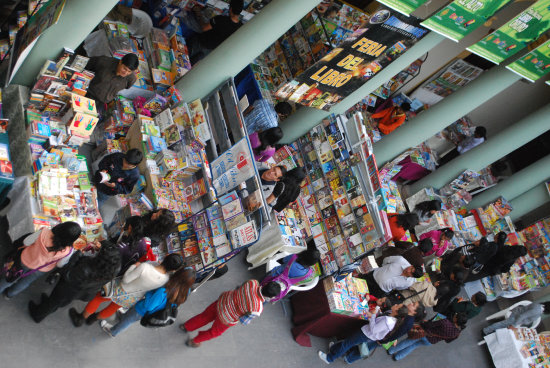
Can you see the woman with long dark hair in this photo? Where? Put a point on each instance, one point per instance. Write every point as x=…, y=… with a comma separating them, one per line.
x=175, y=292
x=157, y=224
x=400, y=223
x=263, y=143
x=287, y=189
x=39, y=254
x=126, y=291
x=425, y=210
x=80, y=279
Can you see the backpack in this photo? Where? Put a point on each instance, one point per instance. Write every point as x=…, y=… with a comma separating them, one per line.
x=161, y=318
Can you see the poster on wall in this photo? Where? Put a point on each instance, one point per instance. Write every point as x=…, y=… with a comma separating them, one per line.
x=533, y=65
x=512, y=37
x=346, y=68
x=403, y=6
x=461, y=17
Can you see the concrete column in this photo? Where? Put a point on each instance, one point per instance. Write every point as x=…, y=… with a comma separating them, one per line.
x=516, y=185
x=305, y=118
x=442, y=114
x=77, y=20
x=490, y=151
x=529, y=201
x=229, y=58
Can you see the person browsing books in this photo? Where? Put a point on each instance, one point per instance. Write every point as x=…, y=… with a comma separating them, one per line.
x=263, y=143
x=391, y=118
x=117, y=174
x=265, y=116
x=239, y=305
x=111, y=76
x=217, y=30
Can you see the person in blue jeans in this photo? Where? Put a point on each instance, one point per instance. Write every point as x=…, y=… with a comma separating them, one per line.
x=380, y=330
x=435, y=331
x=175, y=292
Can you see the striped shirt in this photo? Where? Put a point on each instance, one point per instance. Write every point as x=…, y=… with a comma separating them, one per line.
x=247, y=299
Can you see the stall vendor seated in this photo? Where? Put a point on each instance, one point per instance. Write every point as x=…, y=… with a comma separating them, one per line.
x=269, y=176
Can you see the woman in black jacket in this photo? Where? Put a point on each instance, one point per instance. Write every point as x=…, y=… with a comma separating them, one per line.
x=81, y=279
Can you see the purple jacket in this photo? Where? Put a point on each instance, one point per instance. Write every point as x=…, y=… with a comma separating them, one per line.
x=262, y=155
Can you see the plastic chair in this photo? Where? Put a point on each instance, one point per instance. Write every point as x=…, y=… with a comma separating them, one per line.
x=505, y=313
x=508, y=311
x=301, y=286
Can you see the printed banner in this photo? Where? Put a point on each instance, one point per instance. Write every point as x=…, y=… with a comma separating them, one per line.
x=461, y=17
x=346, y=68
x=533, y=65
x=516, y=34
x=232, y=167
x=403, y=6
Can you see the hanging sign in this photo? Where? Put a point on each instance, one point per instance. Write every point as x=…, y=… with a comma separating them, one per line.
x=533, y=65
x=461, y=17
x=523, y=29
x=403, y=6
x=346, y=68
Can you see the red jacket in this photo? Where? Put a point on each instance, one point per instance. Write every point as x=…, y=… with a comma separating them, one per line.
x=388, y=121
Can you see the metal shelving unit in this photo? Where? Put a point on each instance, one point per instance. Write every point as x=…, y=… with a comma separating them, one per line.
x=358, y=139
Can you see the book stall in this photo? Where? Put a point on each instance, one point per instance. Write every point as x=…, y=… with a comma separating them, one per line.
x=530, y=272
x=522, y=347
x=59, y=119
x=339, y=192
x=197, y=173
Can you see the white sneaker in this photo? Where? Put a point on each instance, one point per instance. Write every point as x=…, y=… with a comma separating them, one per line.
x=323, y=357
x=104, y=324
x=107, y=330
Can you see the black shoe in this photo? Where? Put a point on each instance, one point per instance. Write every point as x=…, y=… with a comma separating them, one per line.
x=33, y=311
x=91, y=319
x=43, y=297
x=76, y=318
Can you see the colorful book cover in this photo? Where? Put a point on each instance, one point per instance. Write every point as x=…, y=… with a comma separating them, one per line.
x=244, y=235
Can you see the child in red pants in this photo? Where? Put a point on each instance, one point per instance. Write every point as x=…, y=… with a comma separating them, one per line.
x=240, y=305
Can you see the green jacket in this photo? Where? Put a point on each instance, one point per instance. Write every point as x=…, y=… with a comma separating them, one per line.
x=465, y=307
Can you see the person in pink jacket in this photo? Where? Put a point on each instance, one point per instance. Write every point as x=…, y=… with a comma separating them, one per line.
x=441, y=240
x=262, y=143
x=40, y=253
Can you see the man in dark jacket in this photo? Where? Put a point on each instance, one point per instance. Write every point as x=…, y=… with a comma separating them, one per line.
x=215, y=32
x=117, y=174
x=111, y=76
